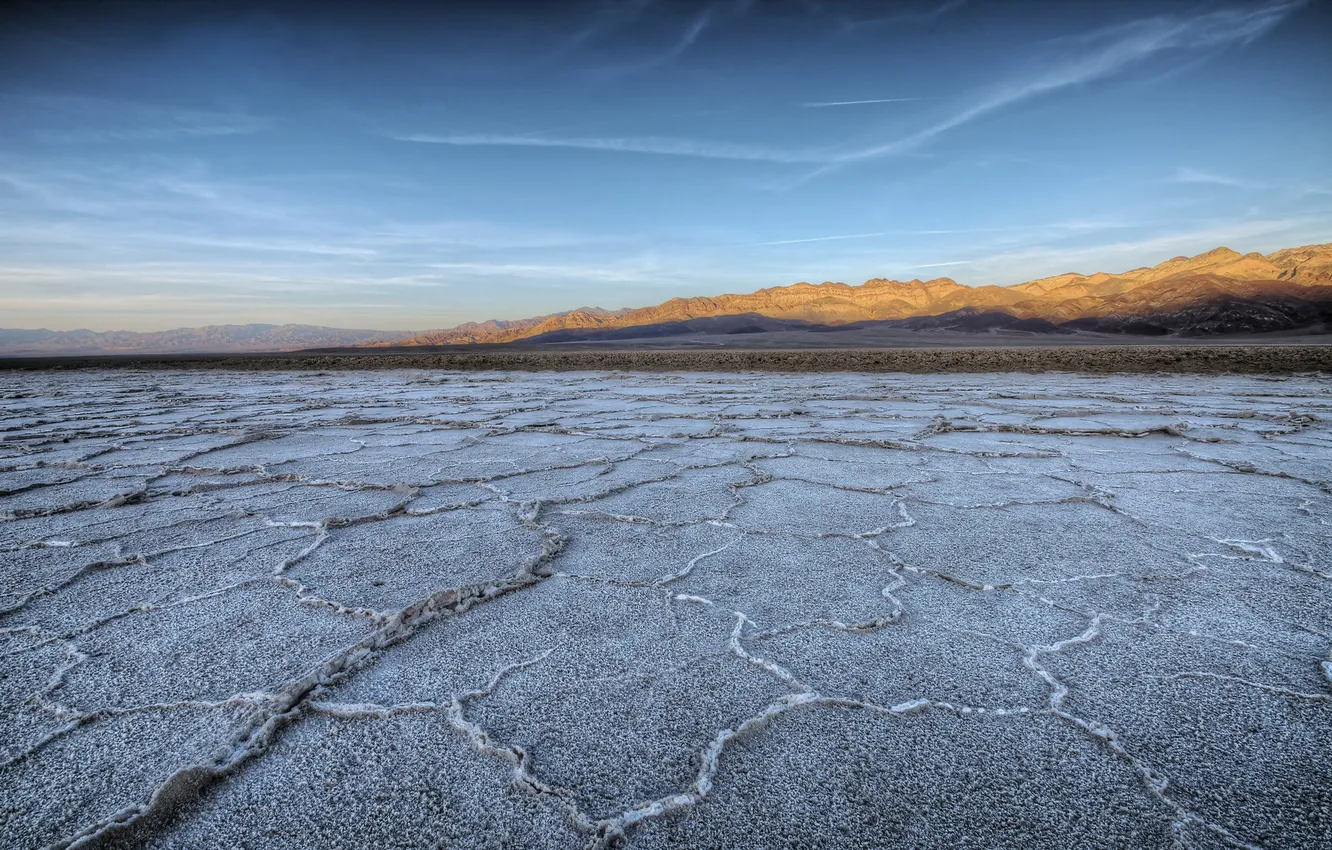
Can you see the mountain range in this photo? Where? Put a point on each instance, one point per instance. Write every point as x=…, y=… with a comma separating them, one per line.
x=1215, y=293
x=1219, y=292
x=211, y=338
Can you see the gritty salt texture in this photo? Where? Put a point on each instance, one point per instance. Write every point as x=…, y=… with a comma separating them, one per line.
x=705, y=610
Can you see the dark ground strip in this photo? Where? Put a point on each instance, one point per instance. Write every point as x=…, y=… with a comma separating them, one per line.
x=1209, y=359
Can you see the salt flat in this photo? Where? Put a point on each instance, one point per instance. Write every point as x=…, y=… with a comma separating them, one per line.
x=709, y=610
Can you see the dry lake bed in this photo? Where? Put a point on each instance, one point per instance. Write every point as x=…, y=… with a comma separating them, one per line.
x=426, y=609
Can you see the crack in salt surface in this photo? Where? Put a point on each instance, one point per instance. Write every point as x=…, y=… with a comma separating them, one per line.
x=1131, y=448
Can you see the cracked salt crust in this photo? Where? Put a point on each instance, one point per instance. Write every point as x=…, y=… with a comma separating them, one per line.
x=604, y=609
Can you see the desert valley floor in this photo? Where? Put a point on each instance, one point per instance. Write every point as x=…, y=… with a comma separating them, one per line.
x=423, y=609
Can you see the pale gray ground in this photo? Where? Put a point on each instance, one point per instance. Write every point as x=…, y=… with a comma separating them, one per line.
x=495, y=610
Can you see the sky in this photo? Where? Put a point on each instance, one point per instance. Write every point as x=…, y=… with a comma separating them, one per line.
x=393, y=167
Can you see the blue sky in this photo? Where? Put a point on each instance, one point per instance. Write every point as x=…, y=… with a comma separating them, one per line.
x=380, y=166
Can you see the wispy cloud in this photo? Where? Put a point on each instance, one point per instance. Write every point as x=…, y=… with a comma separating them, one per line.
x=174, y=189
x=824, y=238
x=182, y=125
x=1192, y=175
x=630, y=144
x=940, y=265
x=1075, y=226
x=708, y=17
x=1062, y=226
x=687, y=39
x=1098, y=56
x=182, y=202
x=1119, y=48
x=608, y=18
x=69, y=227
x=62, y=119
x=637, y=270
x=905, y=16
x=857, y=102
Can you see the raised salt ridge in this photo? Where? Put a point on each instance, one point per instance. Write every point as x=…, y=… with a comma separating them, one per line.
x=402, y=609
